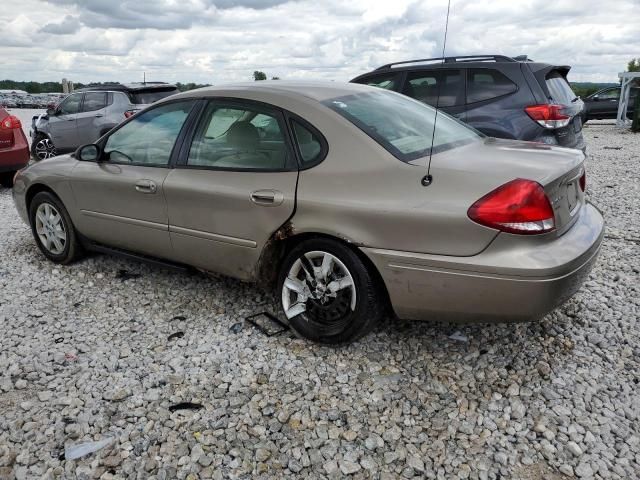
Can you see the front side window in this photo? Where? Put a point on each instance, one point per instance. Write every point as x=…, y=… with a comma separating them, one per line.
x=247, y=138
x=486, y=83
x=148, y=139
x=401, y=125
x=71, y=104
x=610, y=94
x=444, y=88
x=388, y=82
x=94, y=101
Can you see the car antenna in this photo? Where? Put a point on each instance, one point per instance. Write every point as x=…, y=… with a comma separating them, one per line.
x=428, y=178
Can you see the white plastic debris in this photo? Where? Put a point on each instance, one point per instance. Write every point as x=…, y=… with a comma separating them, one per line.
x=459, y=337
x=83, y=449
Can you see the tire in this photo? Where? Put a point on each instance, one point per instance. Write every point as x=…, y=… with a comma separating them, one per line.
x=49, y=219
x=42, y=147
x=324, y=309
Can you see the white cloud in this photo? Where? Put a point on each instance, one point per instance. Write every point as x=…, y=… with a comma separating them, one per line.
x=215, y=41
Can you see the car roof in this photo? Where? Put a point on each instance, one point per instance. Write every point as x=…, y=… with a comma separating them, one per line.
x=318, y=90
x=129, y=87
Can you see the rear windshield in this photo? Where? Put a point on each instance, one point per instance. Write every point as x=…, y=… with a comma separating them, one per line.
x=150, y=96
x=402, y=125
x=559, y=88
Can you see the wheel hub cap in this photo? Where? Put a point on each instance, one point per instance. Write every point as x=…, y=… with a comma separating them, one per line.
x=50, y=229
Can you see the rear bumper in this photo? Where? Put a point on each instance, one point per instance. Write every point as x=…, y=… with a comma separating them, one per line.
x=514, y=279
x=14, y=159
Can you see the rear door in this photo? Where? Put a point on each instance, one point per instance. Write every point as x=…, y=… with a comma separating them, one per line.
x=234, y=187
x=90, y=120
x=605, y=104
x=121, y=199
x=63, y=125
x=442, y=88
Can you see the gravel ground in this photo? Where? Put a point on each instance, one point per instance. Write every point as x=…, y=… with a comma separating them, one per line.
x=85, y=354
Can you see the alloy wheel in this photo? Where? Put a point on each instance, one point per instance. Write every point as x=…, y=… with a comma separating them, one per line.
x=319, y=285
x=50, y=228
x=45, y=149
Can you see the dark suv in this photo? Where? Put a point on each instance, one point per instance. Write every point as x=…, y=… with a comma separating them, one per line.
x=502, y=97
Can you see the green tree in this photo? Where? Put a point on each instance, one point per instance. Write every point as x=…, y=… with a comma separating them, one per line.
x=275, y=78
x=633, y=65
x=258, y=75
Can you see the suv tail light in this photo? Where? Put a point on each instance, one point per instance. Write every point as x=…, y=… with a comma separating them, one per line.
x=10, y=123
x=583, y=181
x=520, y=206
x=129, y=113
x=548, y=115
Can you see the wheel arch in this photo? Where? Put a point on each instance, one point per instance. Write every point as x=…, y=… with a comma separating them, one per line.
x=36, y=188
x=286, y=239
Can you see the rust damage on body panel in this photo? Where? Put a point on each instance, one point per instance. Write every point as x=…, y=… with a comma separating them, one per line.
x=266, y=270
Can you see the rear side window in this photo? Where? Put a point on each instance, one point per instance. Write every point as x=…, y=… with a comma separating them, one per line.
x=388, y=82
x=308, y=144
x=559, y=89
x=150, y=96
x=485, y=84
x=94, y=101
x=444, y=88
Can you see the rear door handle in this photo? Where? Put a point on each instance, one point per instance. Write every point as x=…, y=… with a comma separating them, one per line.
x=267, y=198
x=146, y=186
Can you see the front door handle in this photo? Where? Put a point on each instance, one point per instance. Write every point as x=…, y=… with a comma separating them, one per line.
x=267, y=198
x=99, y=115
x=146, y=186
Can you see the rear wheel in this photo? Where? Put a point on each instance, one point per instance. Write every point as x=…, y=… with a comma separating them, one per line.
x=42, y=147
x=327, y=293
x=52, y=229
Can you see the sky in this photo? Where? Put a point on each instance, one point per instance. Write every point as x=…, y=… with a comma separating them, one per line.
x=221, y=41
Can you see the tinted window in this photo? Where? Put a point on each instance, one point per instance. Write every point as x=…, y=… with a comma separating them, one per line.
x=71, y=104
x=388, y=82
x=94, y=101
x=238, y=137
x=444, y=88
x=559, y=89
x=148, y=139
x=402, y=126
x=150, y=96
x=308, y=144
x=610, y=94
x=484, y=84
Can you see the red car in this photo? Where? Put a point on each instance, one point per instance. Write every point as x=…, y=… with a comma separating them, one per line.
x=14, y=148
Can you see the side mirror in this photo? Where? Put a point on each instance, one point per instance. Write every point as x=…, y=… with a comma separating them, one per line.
x=51, y=110
x=88, y=153
x=595, y=98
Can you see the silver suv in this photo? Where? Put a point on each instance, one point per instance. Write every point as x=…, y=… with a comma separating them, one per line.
x=86, y=115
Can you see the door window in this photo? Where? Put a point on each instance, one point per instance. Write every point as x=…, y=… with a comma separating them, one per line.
x=94, y=101
x=485, y=84
x=610, y=94
x=388, y=82
x=444, y=88
x=245, y=138
x=71, y=104
x=148, y=139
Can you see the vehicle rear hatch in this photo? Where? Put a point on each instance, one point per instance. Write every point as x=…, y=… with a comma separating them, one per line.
x=6, y=134
x=151, y=94
x=554, y=84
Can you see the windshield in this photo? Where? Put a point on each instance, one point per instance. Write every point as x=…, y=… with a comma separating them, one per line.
x=150, y=96
x=401, y=125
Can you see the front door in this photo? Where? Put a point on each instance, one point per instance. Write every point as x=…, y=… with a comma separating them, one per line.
x=234, y=187
x=120, y=199
x=63, y=125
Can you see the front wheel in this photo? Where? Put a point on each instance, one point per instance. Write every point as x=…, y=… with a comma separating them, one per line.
x=52, y=229
x=327, y=293
x=42, y=147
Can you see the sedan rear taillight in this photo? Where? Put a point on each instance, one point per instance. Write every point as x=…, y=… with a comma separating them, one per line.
x=520, y=206
x=11, y=123
x=548, y=115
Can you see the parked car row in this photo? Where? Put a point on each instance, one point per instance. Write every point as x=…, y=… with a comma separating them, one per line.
x=344, y=198
x=604, y=103
x=40, y=100
x=87, y=114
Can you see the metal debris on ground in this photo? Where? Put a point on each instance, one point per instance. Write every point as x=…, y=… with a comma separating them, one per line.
x=267, y=323
x=185, y=406
x=236, y=328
